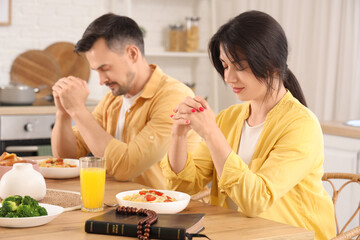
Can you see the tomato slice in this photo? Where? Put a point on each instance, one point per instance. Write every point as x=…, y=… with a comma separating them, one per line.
x=142, y=192
x=167, y=200
x=150, y=198
x=159, y=193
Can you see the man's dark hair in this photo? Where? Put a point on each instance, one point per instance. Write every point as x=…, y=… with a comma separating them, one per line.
x=118, y=31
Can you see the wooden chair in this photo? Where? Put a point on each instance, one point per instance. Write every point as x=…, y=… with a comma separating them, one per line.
x=349, y=178
x=202, y=196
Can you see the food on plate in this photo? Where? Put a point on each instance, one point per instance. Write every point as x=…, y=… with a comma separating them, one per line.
x=56, y=163
x=18, y=207
x=9, y=159
x=145, y=195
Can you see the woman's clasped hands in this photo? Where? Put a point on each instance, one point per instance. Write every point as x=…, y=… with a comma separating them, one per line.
x=196, y=114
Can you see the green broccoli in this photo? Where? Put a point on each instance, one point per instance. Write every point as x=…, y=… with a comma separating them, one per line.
x=11, y=215
x=27, y=200
x=42, y=211
x=31, y=211
x=27, y=207
x=2, y=212
x=9, y=206
x=26, y=211
x=16, y=198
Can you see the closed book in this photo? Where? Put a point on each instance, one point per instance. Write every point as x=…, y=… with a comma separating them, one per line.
x=168, y=226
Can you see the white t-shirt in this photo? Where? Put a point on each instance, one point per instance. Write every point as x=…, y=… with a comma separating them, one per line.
x=126, y=104
x=249, y=138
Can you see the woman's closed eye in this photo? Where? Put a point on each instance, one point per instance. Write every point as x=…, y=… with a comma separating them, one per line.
x=239, y=66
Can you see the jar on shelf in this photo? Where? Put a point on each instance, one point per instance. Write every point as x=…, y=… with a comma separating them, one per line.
x=192, y=34
x=176, y=38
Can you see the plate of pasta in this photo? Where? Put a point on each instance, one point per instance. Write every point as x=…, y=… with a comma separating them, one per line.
x=160, y=201
x=59, y=168
x=7, y=160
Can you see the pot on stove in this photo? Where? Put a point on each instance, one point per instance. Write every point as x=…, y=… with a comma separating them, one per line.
x=17, y=94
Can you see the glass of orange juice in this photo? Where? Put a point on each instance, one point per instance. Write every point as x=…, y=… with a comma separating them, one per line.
x=92, y=182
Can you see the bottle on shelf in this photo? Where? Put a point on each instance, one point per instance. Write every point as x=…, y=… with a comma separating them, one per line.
x=192, y=34
x=176, y=38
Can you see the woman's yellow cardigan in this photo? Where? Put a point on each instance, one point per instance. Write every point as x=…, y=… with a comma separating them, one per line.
x=283, y=179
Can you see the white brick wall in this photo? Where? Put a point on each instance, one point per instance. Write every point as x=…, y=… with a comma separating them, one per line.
x=35, y=24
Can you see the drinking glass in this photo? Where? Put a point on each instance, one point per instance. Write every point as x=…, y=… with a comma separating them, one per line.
x=92, y=182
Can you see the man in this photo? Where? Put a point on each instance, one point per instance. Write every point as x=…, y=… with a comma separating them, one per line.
x=131, y=125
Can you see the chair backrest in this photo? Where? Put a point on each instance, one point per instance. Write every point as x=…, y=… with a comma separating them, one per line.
x=202, y=196
x=349, y=178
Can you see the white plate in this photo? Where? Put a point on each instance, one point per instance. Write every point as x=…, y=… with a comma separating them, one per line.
x=165, y=207
x=53, y=212
x=61, y=173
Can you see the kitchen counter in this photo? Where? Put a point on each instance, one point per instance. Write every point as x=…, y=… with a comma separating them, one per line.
x=38, y=108
x=340, y=129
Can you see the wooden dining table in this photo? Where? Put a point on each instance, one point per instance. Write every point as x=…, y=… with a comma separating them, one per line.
x=220, y=223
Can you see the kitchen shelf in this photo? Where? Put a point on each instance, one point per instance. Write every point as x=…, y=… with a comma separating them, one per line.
x=177, y=54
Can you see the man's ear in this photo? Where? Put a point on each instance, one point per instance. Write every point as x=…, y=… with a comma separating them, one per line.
x=133, y=53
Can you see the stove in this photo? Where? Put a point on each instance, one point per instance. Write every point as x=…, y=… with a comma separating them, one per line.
x=26, y=135
x=26, y=130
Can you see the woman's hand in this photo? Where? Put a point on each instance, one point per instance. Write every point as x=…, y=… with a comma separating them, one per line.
x=177, y=153
x=194, y=113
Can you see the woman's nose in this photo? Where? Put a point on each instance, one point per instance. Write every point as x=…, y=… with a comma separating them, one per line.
x=230, y=77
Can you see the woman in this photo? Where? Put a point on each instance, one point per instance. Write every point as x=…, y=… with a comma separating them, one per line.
x=265, y=156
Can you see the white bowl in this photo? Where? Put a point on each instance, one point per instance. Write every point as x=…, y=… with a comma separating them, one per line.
x=61, y=173
x=182, y=200
x=23, y=180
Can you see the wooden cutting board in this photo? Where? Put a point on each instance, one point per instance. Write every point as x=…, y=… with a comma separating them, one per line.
x=37, y=69
x=71, y=64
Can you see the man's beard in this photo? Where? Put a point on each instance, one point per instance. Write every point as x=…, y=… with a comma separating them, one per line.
x=121, y=90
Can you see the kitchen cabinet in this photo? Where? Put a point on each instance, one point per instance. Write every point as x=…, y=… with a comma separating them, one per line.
x=342, y=154
x=189, y=67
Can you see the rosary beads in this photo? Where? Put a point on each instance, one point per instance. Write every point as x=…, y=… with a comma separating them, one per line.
x=144, y=223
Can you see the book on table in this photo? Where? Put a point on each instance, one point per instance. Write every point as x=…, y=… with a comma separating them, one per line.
x=168, y=226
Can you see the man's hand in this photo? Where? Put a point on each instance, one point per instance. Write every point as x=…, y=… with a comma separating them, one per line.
x=58, y=104
x=70, y=94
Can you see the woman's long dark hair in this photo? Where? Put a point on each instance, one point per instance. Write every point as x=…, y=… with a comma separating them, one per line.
x=259, y=39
